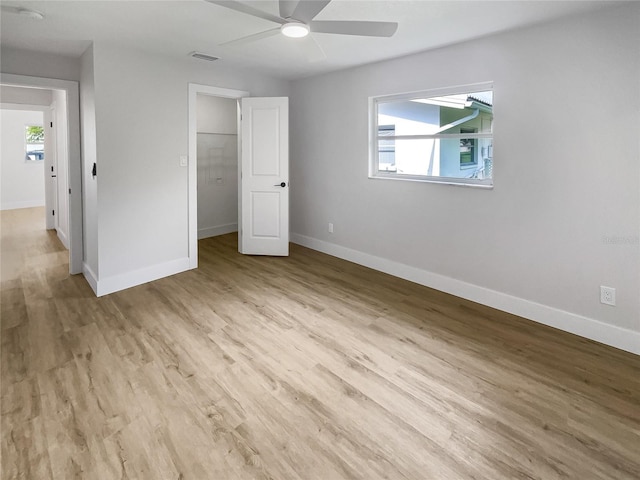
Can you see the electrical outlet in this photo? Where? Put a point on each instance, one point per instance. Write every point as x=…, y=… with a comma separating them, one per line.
x=608, y=295
x=183, y=160
x=331, y=228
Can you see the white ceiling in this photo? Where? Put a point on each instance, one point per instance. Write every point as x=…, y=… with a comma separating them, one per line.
x=176, y=28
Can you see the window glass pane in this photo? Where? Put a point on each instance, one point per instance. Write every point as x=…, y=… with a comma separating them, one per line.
x=34, y=142
x=34, y=152
x=440, y=157
x=386, y=148
x=409, y=117
x=459, y=118
x=434, y=115
x=34, y=133
x=468, y=153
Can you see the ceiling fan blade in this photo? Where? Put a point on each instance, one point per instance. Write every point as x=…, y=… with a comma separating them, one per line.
x=244, y=8
x=367, y=29
x=8, y=9
x=311, y=49
x=252, y=38
x=287, y=7
x=308, y=9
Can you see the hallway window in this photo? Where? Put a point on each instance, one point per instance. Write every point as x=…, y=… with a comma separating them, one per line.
x=34, y=143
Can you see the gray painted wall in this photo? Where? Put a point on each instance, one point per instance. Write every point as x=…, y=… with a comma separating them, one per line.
x=566, y=170
x=142, y=125
x=25, y=96
x=22, y=182
x=39, y=64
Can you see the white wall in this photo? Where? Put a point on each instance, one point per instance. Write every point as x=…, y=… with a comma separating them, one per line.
x=141, y=108
x=217, y=114
x=217, y=126
x=21, y=95
x=89, y=156
x=22, y=183
x=39, y=64
x=566, y=175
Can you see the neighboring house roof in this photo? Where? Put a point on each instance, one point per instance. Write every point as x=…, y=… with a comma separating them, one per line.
x=482, y=97
x=460, y=100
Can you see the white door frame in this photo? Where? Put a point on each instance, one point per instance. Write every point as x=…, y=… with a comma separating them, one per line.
x=74, y=166
x=192, y=182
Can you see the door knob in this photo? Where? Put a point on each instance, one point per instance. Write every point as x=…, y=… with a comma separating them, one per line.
x=281, y=184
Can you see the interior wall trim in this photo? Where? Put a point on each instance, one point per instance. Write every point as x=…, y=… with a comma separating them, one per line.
x=115, y=283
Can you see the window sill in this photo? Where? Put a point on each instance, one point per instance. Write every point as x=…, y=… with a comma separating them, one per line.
x=456, y=182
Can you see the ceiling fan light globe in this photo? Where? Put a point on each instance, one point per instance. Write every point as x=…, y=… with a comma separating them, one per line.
x=295, y=30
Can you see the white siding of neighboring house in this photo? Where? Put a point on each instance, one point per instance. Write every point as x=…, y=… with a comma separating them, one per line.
x=415, y=157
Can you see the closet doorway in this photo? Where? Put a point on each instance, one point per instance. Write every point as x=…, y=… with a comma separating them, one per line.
x=214, y=122
x=217, y=160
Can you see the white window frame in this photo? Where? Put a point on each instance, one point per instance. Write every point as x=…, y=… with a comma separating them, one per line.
x=374, y=173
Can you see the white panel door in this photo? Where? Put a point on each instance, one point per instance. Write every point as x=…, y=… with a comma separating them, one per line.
x=264, y=170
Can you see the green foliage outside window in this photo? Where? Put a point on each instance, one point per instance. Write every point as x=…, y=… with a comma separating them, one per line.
x=35, y=134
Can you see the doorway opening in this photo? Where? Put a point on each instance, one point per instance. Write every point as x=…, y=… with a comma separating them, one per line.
x=59, y=102
x=213, y=163
x=35, y=157
x=217, y=161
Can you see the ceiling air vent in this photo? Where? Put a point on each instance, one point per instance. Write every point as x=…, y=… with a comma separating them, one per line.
x=203, y=56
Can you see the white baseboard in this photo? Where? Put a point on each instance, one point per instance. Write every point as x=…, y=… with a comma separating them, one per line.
x=218, y=230
x=115, y=283
x=624, y=339
x=63, y=238
x=24, y=204
x=91, y=277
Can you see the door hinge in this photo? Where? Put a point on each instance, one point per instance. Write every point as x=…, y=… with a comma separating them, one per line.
x=69, y=191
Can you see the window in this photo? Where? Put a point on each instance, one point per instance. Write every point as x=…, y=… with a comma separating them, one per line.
x=34, y=143
x=443, y=135
x=387, y=148
x=468, y=149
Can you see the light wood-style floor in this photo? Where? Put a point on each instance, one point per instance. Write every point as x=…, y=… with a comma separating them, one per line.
x=305, y=367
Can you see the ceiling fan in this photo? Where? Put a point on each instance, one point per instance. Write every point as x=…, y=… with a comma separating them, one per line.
x=25, y=12
x=297, y=20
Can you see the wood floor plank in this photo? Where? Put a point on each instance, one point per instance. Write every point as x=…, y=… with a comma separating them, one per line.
x=25, y=452
x=301, y=367
x=13, y=308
